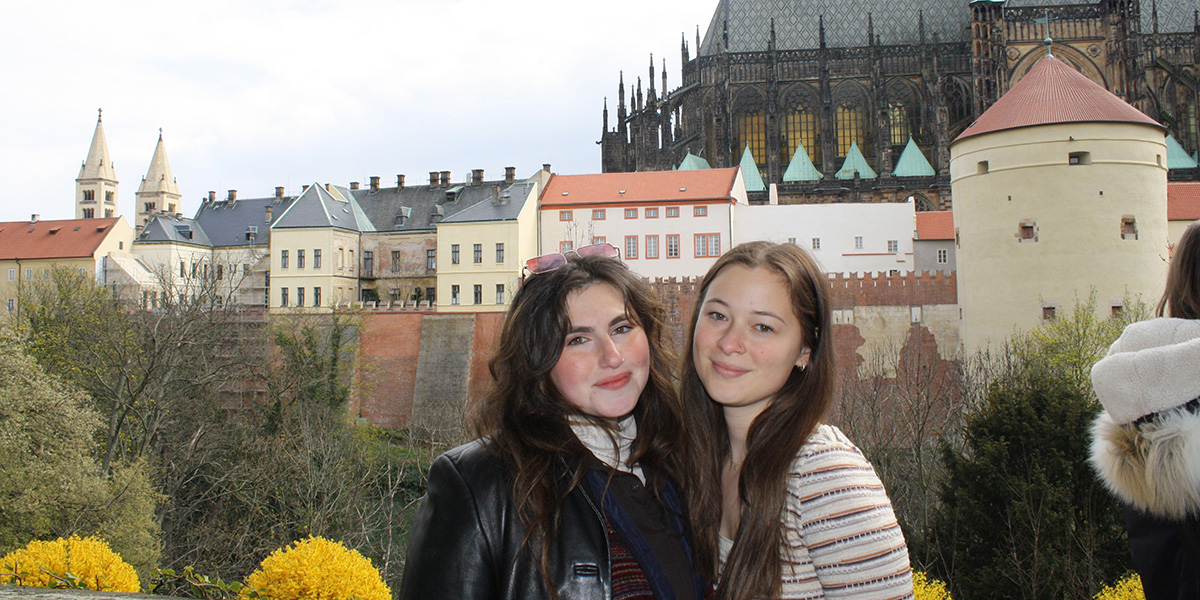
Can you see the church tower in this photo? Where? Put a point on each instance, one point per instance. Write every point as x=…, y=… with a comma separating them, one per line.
x=159, y=192
x=96, y=186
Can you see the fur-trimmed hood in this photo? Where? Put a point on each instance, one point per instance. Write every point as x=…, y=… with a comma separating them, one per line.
x=1153, y=369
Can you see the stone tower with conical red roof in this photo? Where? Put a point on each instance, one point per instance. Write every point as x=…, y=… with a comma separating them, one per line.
x=158, y=192
x=96, y=186
x=1060, y=191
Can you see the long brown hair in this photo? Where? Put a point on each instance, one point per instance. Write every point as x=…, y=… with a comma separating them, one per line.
x=1181, y=299
x=753, y=568
x=526, y=417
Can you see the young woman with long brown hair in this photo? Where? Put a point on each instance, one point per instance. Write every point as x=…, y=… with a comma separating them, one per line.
x=798, y=512
x=570, y=491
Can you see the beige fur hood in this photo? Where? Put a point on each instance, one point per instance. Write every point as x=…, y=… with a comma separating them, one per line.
x=1154, y=466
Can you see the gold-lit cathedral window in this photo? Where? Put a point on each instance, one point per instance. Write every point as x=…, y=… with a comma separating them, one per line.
x=852, y=127
x=801, y=128
x=899, y=125
x=751, y=129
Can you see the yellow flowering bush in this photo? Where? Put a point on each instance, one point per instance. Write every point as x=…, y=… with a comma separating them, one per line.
x=1127, y=588
x=86, y=562
x=316, y=568
x=925, y=588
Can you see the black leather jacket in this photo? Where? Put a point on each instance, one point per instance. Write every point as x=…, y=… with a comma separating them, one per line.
x=466, y=535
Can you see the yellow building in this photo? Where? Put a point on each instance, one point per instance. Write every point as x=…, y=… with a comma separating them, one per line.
x=1060, y=188
x=482, y=249
x=30, y=250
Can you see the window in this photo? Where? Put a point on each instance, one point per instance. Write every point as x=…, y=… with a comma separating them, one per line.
x=12, y=274
x=351, y=263
x=565, y=215
x=477, y=253
x=283, y=259
x=368, y=263
x=454, y=294
x=1117, y=310
x=245, y=269
x=89, y=195
x=220, y=271
x=454, y=254
x=631, y=213
x=673, y=246
x=672, y=212
x=299, y=259
x=1047, y=313
x=981, y=168
x=316, y=296
x=700, y=211
x=792, y=241
x=396, y=260
x=45, y=274
x=1079, y=158
x=943, y=256
x=316, y=258
x=431, y=295
x=816, y=243
x=599, y=239
x=893, y=246
x=708, y=245
x=499, y=253
x=283, y=297
x=1129, y=228
x=299, y=296
x=499, y=293
x=182, y=268
x=430, y=259
x=478, y=294
x=89, y=213
x=28, y=274
x=1027, y=231
x=651, y=213
x=858, y=242
x=598, y=214
x=631, y=247
x=12, y=304
x=565, y=247
x=652, y=246
x=108, y=197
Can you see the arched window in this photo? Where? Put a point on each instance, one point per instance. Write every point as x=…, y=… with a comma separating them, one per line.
x=750, y=127
x=801, y=125
x=852, y=127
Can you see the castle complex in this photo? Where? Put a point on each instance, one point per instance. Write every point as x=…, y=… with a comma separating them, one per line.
x=860, y=101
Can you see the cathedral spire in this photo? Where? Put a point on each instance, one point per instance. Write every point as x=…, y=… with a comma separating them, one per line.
x=652, y=94
x=771, y=38
x=159, y=192
x=96, y=186
x=821, y=30
x=870, y=30
x=664, y=76
x=605, y=129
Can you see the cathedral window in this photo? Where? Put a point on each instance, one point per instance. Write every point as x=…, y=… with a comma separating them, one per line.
x=108, y=197
x=852, y=127
x=801, y=128
x=901, y=128
x=89, y=213
x=89, y=195
x=108, y=213
x=750, y=127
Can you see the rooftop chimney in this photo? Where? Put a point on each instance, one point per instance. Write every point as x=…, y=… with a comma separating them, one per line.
x=546, y=167
x=433, y=178
x=446, y=178
x=374, y=183
x=329, y=187
x=267, y=217
x=353, y=185
x=476, y=176
x=510, y=174
x=212, y=196
x=33, y=218
x=233, y=195
x=400, y=181
x=279, y=191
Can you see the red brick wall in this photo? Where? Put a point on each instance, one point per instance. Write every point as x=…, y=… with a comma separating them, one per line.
x=389, y=344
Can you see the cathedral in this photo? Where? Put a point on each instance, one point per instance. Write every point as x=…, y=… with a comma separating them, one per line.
x=837, y=101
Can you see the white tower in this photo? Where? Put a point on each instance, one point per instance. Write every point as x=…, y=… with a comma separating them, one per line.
x=96, y=186
x=1060, y=188
x=159, y=192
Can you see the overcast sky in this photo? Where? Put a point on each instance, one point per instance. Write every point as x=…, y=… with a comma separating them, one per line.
x=252, y=94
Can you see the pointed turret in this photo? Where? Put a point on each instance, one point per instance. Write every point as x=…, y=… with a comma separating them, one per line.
x=159, y=192
x=96, y=186
x=651, y=94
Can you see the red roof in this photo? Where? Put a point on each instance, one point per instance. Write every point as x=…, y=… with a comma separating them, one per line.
x=73, y=238
x=1054, y=92
x=935, y=225
x=1183, y=201
x=649, y=186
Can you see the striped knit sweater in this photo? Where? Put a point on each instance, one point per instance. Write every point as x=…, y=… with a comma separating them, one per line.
x=841, y=537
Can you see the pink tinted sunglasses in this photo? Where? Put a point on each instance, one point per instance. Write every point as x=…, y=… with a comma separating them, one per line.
x=552, y=261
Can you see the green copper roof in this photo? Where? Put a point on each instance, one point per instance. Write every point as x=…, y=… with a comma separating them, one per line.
x=1177, y=157
x=801, y=167
x=855, y=162
x=691, y=162
x=912, y=162
x=753, y=178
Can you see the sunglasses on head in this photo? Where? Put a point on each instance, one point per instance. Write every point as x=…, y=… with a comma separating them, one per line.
x=550, y=262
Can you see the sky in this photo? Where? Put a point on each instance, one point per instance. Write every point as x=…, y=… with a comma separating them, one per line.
x=253, y=94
